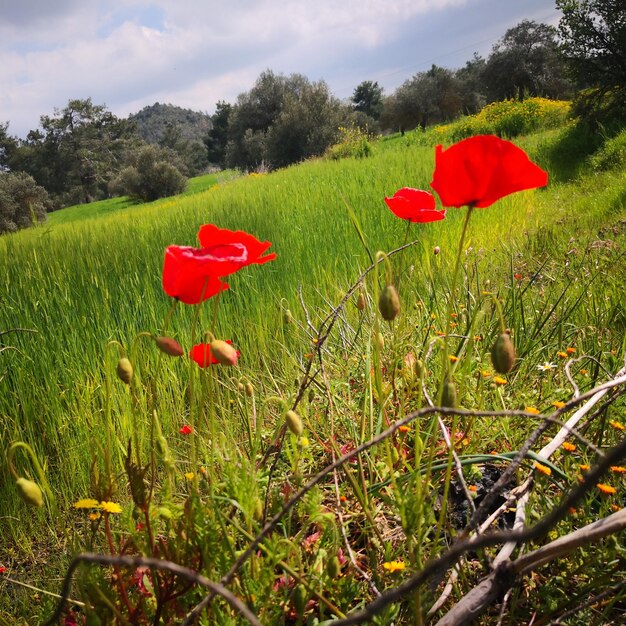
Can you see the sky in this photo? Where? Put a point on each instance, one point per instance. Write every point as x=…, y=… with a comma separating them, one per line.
x=128, y=54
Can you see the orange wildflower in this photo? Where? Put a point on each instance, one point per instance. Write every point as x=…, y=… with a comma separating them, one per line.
x=618, y=469
x=617, y=425
x=607, y=489
x=532, y=409
x=557, y=404
x=570, y=447
x=544, y=469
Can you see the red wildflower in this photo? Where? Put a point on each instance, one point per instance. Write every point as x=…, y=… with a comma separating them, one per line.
x=186, y=430
x=201, y=354
x=193, y=274
x=189, y=274
x=480, y=170
x=233, y=249
x=414, y=205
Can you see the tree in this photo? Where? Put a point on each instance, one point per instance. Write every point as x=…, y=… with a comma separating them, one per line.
x=428, y=97
x=368, y=98
x=22, y=202
x=526, y=61
x=153, y=173
x=281, y=120
x=593, y=42
x=77, y=151
x=8, y=146
x=471, y=85
x=217, y=138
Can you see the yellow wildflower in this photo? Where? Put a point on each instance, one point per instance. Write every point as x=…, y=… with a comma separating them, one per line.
x=617, y=425
x=110, y=507
x=94, y=516
x=453, y=359
x=557, y=404
x=486, y=373
x=562, y=354
x=532, y=409
x=189, y=475
x=618, y=469
x=394, y=566
x=570, y=447
x=499, y=380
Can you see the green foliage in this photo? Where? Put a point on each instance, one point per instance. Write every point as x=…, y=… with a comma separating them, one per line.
x=76, y=153
x=353, y=142
x=509, y=119
x=612, y=154
x=23, y=203
x=526, y=62
x=368, y=99
x=217, y=138
x=282, y=120
x=154, y=173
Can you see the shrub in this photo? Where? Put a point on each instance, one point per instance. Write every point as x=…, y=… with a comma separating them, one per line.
x=152, y=174
x=23, y=203
x=353, y=142
x=612, y=155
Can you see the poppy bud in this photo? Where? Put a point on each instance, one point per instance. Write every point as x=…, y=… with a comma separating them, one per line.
x=333, y=569
x=380, y=341
x=249, y=389
x=311, y=394
x=448, y=397
x=223, y=352
x=287, y=316
x=436, y=250
x=29, y=491
x=241, y=387
x=360, y=301
x=169, y=346
x=258, y=510
x=389, y=303
x=294, y=423
x=125, y=370
x=503, y=353
x=300, y=595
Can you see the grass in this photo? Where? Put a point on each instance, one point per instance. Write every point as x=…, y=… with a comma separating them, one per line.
x=92, y=275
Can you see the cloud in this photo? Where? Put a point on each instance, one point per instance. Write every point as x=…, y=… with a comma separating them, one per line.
x=130, y=53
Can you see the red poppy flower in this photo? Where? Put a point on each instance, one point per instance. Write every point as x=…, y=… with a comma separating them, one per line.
x=233, y=249
x=480, y=170
x=186, y=430
x=189, y=274
x=414, y=205
x=201, y=354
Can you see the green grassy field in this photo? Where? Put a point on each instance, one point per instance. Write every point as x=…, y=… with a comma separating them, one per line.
x=92, y=274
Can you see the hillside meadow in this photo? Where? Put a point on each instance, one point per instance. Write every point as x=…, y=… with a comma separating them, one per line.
x=546, y=263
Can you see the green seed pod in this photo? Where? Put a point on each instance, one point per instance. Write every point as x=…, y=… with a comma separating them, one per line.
x=448, y=397
x=249, y=389
x=223, y=352
x=125, y=370
x=333, y=568
x=311, y=394
x=169, y=346
x=389, y=303
x=29, y=491
x=395, y=455
x=300, y=596
x=258, y=510
x=503, y=353
x=287, y=316
x=294, y=423
x=241, y=388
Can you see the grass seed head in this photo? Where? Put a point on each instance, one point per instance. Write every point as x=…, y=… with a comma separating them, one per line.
x=294, y=423
x=389, y=303
x=29, y=491
x=503, y=353
x=125, y=370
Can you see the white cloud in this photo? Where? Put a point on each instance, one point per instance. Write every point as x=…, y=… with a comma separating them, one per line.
x=130, y=53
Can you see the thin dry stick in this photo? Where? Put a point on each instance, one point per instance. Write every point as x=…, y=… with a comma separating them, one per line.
x=140, y=561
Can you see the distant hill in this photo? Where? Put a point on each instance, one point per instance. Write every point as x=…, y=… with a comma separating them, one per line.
x=153, y=123
x=181, y=130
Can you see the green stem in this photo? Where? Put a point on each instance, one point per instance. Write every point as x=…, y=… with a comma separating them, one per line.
x=38, y=469
x=453, y=288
